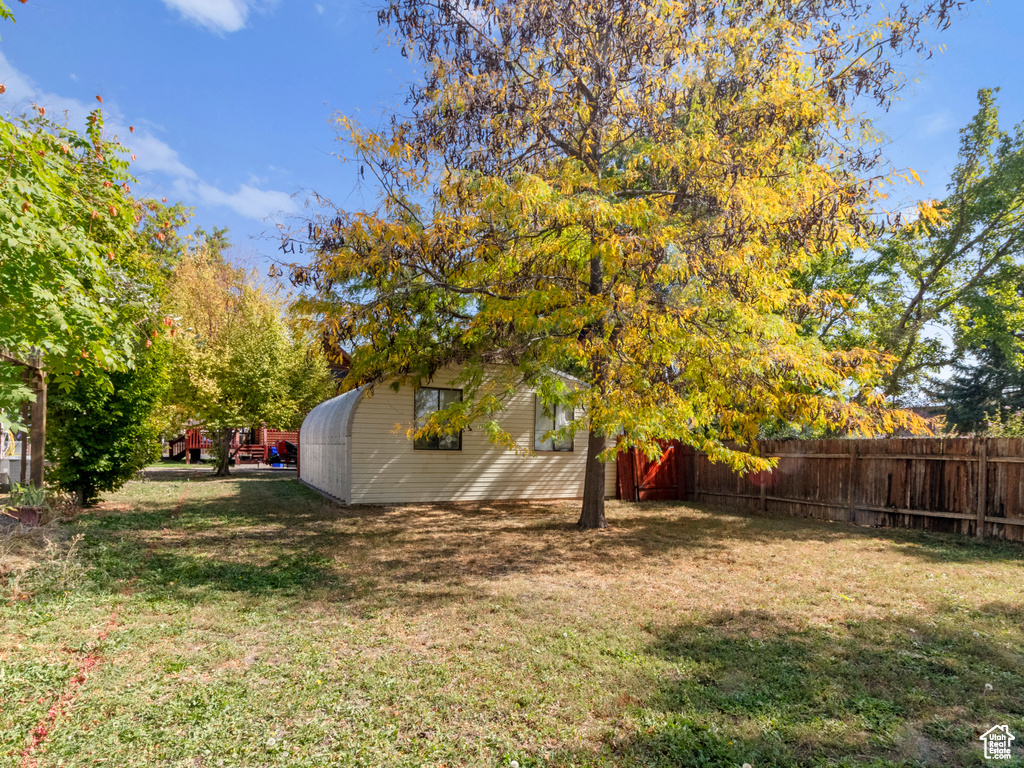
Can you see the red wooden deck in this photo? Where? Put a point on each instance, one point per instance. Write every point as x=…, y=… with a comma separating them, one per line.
x=246, y=448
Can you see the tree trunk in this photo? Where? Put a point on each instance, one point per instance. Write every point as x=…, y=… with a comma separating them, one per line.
x=224, y=459
x=592, y=515
x=38, y=429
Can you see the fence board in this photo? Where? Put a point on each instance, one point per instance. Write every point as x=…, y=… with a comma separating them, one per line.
x=973, y=487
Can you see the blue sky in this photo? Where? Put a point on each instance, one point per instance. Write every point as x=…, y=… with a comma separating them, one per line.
x=232, y=100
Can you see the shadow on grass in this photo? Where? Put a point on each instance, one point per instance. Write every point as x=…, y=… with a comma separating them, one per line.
x=196, y=578
x=745, y=689
x=259, y=499
x=179, y=472
x=729, y=688
x=259, y=539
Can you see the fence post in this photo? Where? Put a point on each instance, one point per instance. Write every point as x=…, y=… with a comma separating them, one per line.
x=764, y=492
x=24, y=438
x=851, y=474
x=982, y=488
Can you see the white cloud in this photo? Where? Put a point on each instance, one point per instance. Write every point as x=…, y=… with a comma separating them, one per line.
x=153, y=155
x=21, y=92
x=156, y=155
x=248, y=201
x=216, y=15
x=319, y=9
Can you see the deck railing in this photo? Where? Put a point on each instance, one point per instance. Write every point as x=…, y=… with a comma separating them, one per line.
x=245, y=451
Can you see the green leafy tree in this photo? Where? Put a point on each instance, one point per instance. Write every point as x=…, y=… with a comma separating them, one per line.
x=946, y=282
x=104, y=424
x=1005, y=423
x=215, y=242
x=621, y=188
x=160, y=235
x=66, y=220
x=81, y=271
x=235, y=363
x=305, y=373
x=102, y=429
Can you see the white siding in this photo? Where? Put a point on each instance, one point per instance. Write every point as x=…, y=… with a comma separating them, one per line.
x=385, y=469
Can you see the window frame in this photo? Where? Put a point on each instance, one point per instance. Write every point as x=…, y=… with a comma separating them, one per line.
x=549, y=445
x=418, y=443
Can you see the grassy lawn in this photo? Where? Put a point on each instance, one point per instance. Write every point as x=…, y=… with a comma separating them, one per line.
x=246, y=622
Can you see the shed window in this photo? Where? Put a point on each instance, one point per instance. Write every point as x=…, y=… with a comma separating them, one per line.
x=546, y=419
x=428, y=400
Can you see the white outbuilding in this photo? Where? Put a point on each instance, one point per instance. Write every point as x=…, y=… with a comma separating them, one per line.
x=356, y=449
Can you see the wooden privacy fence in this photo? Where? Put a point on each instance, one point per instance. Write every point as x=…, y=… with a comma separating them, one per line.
x=969, y=486
x=639, y=478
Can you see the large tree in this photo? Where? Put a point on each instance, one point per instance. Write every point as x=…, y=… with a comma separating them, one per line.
x=104, y=424
x=621, y=188
x=947, y=282
x=66, y=218
x=236, y=362
x=69, y=295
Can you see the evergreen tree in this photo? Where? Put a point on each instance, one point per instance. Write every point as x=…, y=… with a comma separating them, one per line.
x=983, y=385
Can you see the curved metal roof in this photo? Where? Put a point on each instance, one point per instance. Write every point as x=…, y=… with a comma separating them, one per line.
x=329, y=422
